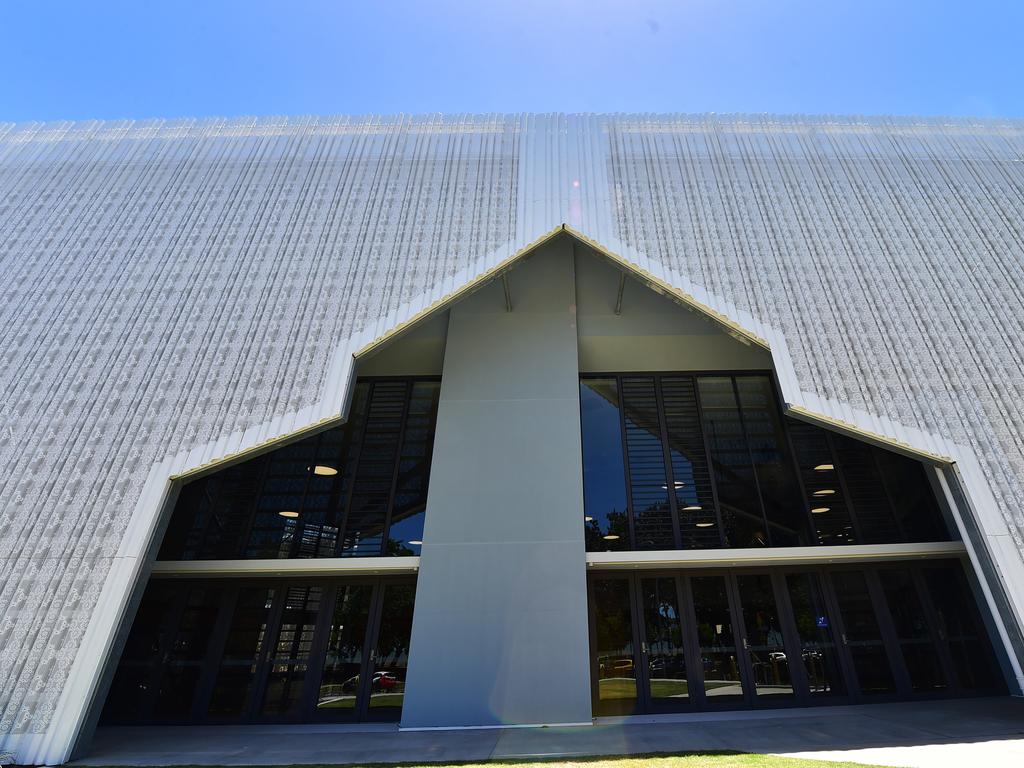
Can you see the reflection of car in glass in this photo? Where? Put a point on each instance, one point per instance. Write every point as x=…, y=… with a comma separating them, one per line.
x=668, y=666
x=381, y=681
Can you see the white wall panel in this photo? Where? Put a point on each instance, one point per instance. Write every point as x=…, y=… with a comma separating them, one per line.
x=174, y=291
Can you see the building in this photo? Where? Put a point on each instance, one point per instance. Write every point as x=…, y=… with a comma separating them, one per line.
x=479, y=420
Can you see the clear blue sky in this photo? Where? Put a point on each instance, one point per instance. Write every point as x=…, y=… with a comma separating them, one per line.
x=145, y=58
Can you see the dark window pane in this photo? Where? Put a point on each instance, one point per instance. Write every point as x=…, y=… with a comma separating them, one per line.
x=339, y=685
x=915, y=636
x=864, y=638
x=690, y=472
x=648, y=480
x=375, y=471
x=715, y=633
x=738, y=496
x=604, y=484
x=816, y=632
x=185, y=655
x=787, y=523
x=866, y=489
x=666, y=660
x=765, y=645
x=238, y=664
x=613, y=623
x=387, y=679
x=211, y=516
x=912, y=498
x=960, y=625
x=289, y=651
x=825, y=499
x=407, y=512
x=291, y=502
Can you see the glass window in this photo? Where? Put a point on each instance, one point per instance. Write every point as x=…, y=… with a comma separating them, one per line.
x=329, y=495
x=825, y=495
x=604, y=485
x=863, y=635
x=717, y=638
x=738, y=496
x=691, y=476
x=246, y=632
x=912, y=631
x=648, y=478
x=776, y=482
x=765, y=646
x=960, y=625
x=663, y=630
x=613, y=644
x=816, y=633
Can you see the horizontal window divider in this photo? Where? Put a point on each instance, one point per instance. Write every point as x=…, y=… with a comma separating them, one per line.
x=321, y=566
x=726, y=558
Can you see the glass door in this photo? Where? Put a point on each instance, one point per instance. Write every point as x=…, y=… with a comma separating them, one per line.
x=384, y=684
x=664, y=683
x=639, y=645
x=614, y=648
x=817, y=636
x=862, y=634
x=718, y=639
x=763, y=641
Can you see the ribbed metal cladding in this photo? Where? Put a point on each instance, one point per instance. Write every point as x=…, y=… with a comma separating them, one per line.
x=178, y=288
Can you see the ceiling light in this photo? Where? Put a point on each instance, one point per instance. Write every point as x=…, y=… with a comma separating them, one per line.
x=819, y=510
x=704, y=525
x=824, y=467
x=323, y=469
x=677, y=484
x=588, y=519
x=824, y=492
x=692, y=508
x=288, y=513
x=612, y=537
x=414, y=543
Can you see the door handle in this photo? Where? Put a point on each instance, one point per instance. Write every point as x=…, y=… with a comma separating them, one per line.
x=643, y=648
x=746, y=645
x=845, y=642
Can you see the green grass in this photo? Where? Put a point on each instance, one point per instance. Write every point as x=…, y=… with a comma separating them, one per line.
x=625, y=688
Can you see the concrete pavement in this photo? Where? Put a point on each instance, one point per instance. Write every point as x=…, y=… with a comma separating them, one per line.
x=983, y=732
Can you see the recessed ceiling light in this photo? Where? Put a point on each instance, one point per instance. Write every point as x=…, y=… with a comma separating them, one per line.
x=588, y=519
x=819, y=510
x=323, y=469
x=415, y=543
x=824, y=492
x=704, y=525
x=824, y=467
x=288, y=513
x=612, y=537
x=692, y=508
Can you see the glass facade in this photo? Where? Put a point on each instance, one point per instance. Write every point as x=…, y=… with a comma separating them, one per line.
x=354, y=491
x=675, y=641
x=260, y=651
x=694, y=462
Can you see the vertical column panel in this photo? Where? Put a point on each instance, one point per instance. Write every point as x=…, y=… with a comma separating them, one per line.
x=500, y=625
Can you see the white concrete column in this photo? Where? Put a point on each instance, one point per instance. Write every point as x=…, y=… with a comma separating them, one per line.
x=500, y=630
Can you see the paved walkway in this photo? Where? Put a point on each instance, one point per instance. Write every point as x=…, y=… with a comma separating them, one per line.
x=980, y=733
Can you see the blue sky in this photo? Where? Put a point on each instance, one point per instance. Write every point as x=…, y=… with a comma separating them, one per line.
x=147, y=58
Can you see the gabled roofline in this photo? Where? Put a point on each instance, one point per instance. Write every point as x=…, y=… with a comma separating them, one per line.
x=653, y=282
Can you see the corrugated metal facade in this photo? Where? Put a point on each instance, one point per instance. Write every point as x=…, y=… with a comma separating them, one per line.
x=176, y=291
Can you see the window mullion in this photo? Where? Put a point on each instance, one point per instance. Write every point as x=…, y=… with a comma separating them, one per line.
x=666, y=453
